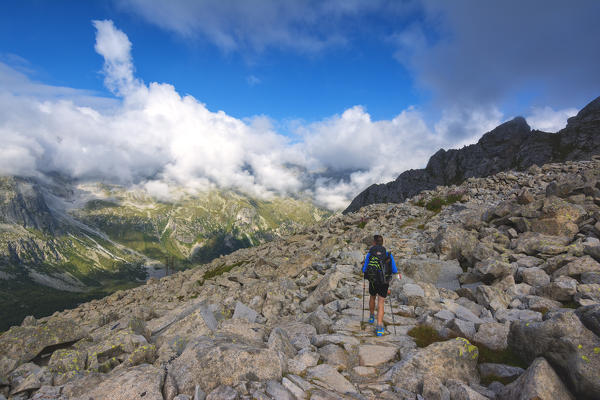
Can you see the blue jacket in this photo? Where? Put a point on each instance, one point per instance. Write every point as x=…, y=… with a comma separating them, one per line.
x=394, y=269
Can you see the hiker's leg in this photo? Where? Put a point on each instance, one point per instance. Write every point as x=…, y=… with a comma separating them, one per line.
x=380, y=303
x=372, y=305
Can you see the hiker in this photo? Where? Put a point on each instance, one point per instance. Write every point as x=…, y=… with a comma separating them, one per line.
x=378, y=269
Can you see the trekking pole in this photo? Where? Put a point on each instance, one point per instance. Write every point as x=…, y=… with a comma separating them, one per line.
x=392, y=312
x=362, y=319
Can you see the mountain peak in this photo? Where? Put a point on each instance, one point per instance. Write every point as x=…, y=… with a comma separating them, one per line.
x=511, y=145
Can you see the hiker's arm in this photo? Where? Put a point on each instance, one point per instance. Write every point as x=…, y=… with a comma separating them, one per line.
x=394, y=267
x=366, y=263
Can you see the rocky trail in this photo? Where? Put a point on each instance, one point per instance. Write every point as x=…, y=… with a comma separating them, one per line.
x=500, y=299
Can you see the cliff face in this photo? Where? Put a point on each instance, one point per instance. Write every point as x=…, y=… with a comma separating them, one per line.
x=512, y=145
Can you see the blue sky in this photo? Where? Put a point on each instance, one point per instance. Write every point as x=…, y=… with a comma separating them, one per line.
x=54, y=38
x=286, y=97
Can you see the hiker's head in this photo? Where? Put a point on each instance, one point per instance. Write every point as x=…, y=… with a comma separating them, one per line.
x=377, y=240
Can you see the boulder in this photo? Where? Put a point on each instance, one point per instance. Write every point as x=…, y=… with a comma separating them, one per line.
x=242, y=311
x=327, y=376
x=280, y=343
x=244, y=330
x=277, y=391
x=504, y=315
x=333, y=354
x=567, y=344
x=223, y=392
x=592, y=247
x=456, y=243
x=493, y=335
x=452, y=359
x=223, y=361
x=374, y=355
x=24, y=343
x=535, y=276
x=323, y=293
x=442, y=274
x=561, y=289
x=493, y=370
x=462, y=328
x=558, y=218
x=539, y=381
x=459, y=391
x=590, y=317
x=493, y=268
x=492, y=298
x=577, y=267
x=142, y=381
x=532, y=243
x=320, y=320
x=303, y=360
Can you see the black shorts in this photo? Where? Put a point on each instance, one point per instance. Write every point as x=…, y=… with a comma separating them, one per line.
x=379, y=290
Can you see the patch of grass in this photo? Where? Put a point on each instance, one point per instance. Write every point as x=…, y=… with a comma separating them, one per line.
x=421, y=226
x=570, y=304
x=362, y=224
x=425, y=335
x=436, y=203
x=221, y=270
x=507, y=356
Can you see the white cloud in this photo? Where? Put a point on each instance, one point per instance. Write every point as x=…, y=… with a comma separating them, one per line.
x=252, y=80
x=307, y=26
x=549, y=120
x=115, y=47
x=159, y=140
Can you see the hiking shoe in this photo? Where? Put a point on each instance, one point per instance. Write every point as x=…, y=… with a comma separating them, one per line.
x=379, y=331
x=372, y=319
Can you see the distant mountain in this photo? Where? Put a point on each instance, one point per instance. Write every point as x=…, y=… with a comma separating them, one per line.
x=63, y=242
x=512, y=145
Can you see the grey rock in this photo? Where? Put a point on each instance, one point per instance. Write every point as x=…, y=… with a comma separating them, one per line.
x=492, y=298
x=511, y=315
x=578, y=267
x=539, y=381
x=333, y=354
x=452, y=359
x=320, y=320
x=590, y=277
x=499, y=370
x=590, y=317
x=561, y=289
x=493, y=268
x=493, y=335
x=567, y=344
x=208, y=317
x=459, y=391
x=244, y=312
x=210, y=364
x=374, y=355
x=323, y=292
x=535, y=276
x=223, y=392
x=464, y=329
x=277, y=391
x=327, y=376
x=280, y=342
x=442, y=274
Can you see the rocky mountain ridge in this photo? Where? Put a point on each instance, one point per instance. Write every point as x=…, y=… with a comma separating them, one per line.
x=500, y=299
x=512, y=145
